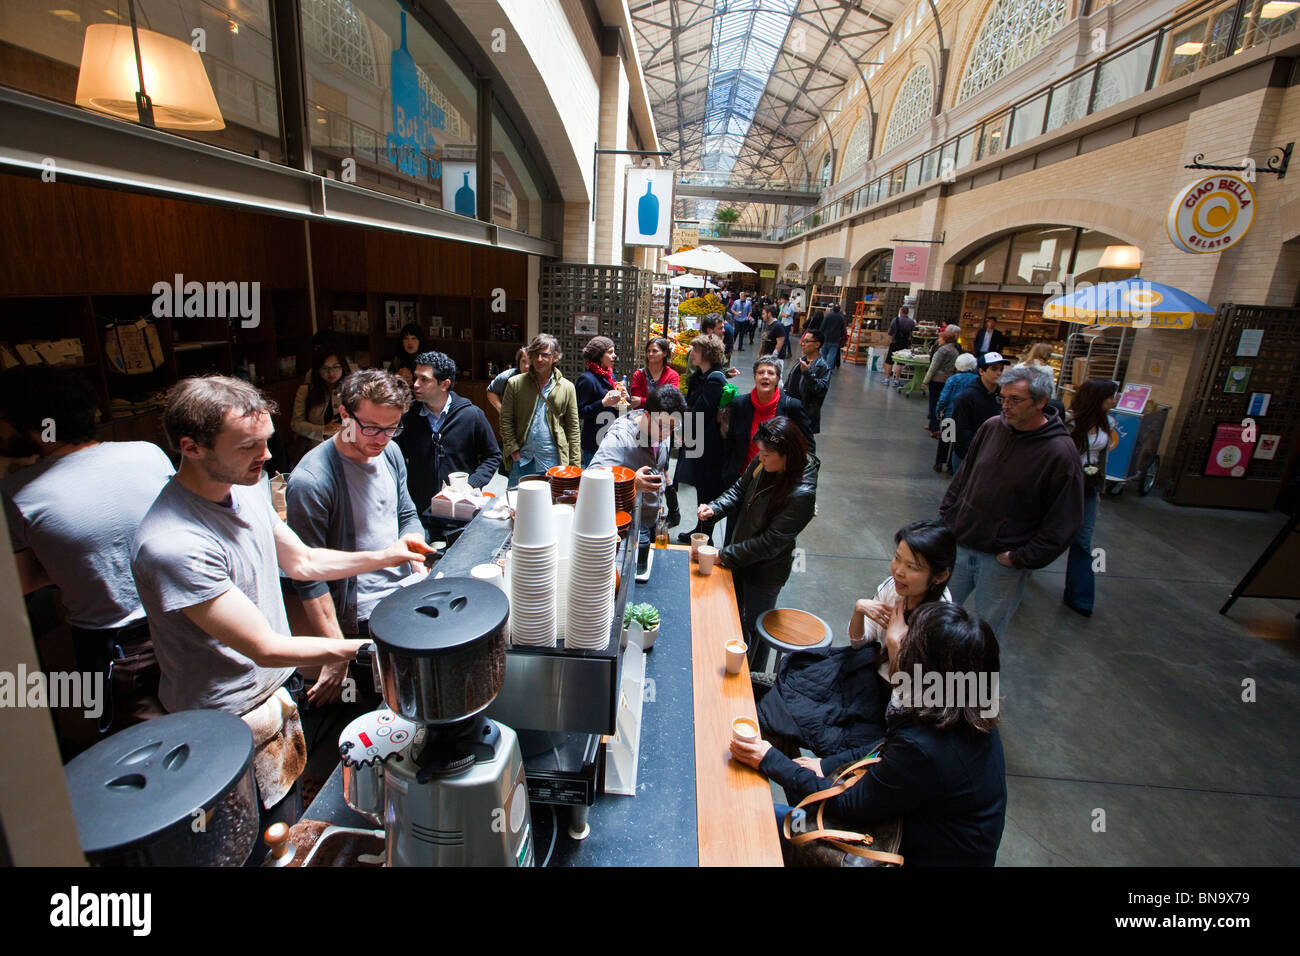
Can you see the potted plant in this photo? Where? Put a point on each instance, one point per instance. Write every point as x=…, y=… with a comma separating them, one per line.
x=644, y=617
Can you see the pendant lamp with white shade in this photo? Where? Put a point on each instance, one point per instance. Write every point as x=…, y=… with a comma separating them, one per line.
x=174, y=78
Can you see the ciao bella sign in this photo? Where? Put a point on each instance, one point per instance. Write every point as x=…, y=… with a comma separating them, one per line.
x=1212, y=214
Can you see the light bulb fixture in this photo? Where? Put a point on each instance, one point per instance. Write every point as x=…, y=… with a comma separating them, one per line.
x=142, y=75
x=1190, y=48
x=1120, y=257
x=1271, y=11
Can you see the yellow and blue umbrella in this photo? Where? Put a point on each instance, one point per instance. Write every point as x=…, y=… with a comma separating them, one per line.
x=1132, y=303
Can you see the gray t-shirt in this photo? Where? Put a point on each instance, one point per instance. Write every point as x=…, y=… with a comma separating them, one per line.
x=78, y=513
x=373, y=497
x=498, y=384
x=190, y=550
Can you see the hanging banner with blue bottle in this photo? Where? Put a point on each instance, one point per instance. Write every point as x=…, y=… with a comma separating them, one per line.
x=411, y=145
x=648, y=213
x=460, y=189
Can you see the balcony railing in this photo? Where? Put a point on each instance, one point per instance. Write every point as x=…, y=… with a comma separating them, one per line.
x=1175, y=49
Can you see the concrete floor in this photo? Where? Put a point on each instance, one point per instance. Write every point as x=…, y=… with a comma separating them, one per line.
x=1131, y=720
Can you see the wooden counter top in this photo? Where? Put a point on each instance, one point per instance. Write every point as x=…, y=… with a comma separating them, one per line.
x=736, y=823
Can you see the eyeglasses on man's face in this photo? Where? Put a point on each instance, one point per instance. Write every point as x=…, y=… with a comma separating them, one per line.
x=1011, y=400
x=370, y=431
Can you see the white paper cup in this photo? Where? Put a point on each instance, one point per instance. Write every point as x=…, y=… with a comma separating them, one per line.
x=563, y=528
x=736, y=651
x=489, y=572
x=708, y=557
x=745, y=730
x=697, y=541
x=594, y=515
x=459, y=481
x=534, y=520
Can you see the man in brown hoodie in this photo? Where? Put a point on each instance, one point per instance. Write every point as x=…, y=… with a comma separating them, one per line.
x=1017, y=501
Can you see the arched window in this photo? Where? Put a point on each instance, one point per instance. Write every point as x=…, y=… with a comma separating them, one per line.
x=824, y=177
x=336, y=30
x=858, y=147
x=1013, y=31
x=912, y=107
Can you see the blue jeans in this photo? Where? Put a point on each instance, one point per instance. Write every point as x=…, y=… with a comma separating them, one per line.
x=995, y=590
x=956, y=460
x=521, y=470
x=782, y=810
x=1080, y=584
x=831, y=353
x=587, y=456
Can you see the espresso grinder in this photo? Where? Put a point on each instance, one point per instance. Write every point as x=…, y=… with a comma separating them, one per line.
x=446, y=782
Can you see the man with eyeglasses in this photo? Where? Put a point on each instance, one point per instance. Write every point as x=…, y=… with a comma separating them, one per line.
x=350, y=494
x=443, y=433
x=1016, y=503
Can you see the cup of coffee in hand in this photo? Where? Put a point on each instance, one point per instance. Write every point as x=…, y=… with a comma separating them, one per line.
x=744, y=730
x=736, y=653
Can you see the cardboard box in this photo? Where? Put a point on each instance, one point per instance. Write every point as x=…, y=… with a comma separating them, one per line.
x=133, y=349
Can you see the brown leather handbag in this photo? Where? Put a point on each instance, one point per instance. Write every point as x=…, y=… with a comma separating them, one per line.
x=829, y=846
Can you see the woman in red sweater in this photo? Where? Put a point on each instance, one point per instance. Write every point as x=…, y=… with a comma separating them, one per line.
x=657, y=372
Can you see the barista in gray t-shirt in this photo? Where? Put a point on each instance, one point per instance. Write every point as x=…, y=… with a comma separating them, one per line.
x=206, y=556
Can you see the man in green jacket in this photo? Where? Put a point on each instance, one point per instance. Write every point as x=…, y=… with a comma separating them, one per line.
x=533, y=442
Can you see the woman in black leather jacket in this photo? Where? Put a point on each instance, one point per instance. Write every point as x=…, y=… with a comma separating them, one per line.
x=774, y=499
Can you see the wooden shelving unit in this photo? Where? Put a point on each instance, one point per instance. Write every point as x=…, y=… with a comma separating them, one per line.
x=1019, y=315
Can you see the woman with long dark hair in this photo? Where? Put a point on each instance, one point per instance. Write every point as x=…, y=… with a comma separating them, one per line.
x=1090, y=427
x=773, y=500
x=316, y=405
x=656, y=374
x=833, y=700
x=941, y=766
x=403, y=363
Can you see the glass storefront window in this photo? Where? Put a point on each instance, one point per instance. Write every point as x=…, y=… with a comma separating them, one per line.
x=209, y=66
x=519, y=200
x=987, y=265
x=993, y=136
x=383, y=93
x=1263, y=20
x=1198, y=43
x=1040, y=256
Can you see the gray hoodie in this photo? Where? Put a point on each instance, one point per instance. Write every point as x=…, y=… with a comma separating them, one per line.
x=626, y=444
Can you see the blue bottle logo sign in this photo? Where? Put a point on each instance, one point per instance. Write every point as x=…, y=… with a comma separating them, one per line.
x=465, y=205
x=647, y=211
x=415, y=116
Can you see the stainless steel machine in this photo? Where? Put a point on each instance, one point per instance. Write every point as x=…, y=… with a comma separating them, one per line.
x=451, y=779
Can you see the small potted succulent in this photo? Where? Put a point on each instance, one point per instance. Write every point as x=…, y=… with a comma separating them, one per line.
x=645, y=617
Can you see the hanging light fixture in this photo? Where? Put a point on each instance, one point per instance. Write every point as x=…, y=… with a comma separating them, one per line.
x=1120, y=257
x=146, y=76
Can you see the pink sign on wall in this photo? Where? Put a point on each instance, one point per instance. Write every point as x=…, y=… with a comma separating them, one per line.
x=910, y=264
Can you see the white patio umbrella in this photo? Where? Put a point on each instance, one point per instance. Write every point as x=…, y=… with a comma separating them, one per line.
x=692, y=282
x=708, y=259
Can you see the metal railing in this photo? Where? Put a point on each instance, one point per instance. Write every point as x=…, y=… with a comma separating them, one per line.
x=731, y=180
x=1174, y=49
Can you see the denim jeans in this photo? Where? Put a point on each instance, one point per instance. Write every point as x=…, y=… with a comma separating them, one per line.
x=831, y=353
x=520, y=470
x=798, y=825
x=956, y=460
x=1080, y=584
x=935, y=388
x=994, y=590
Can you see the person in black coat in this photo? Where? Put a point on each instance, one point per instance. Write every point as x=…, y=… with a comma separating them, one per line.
x=977, y=404
x=941, y=765
x=443, y=432
x=810, y=378
x=766, y=509
x=598, y=393
x=403, y=363
x=989, y=339
x=832, y=326
x=703, y=448
x=765, y=401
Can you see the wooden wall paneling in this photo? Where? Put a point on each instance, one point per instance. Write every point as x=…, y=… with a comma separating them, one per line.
x=120, y=239
x=452, y=264
x=338, y=255
x=392, y=262
x=499, y=269
x=40, y=245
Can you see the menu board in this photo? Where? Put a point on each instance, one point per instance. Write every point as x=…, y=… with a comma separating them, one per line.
x=1229, y=452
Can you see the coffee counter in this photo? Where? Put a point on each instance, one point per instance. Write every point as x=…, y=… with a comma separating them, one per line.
x=694, y=805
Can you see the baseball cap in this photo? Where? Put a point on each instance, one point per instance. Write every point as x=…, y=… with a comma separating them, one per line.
x=991, y=358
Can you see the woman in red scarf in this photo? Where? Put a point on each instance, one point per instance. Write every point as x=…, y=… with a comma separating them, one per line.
x=765, y=402
x=656, y=374
x=597, y=391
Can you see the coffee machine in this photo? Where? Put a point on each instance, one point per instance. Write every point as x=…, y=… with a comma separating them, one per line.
x=446, y=781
